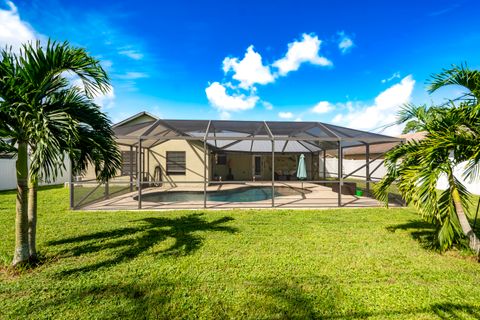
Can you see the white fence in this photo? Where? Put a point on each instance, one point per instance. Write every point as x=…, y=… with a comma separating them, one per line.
x=352, y=165
x=8, y=178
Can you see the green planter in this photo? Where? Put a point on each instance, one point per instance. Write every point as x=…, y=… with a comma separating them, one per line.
x=359, y=192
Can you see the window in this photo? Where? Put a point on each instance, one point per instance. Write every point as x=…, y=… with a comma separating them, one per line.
x=176, y=163
x=221, y=159
x=127, y=158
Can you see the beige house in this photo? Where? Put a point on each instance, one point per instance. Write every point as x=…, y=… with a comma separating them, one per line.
x=174, y=162
x=185, y=163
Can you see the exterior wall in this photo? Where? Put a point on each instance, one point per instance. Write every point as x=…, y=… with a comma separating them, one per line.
x=90, y=173
x=8, y=178
x=193, y=158
x=285, y=164
x=240, y=164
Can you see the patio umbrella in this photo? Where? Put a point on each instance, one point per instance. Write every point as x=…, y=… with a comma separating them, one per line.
x=301, y=170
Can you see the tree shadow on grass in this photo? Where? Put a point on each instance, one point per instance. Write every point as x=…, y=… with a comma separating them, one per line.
x=139, y=300
x=128, y=243
x=311, y=298
x=445, y=310
x=421, y=231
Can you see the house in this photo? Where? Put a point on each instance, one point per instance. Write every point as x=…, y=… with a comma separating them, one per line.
x=207, y=157
x=174, y=152
x=180, y=161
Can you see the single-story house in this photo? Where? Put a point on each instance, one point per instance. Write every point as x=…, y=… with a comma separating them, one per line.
x=209, y=156
x=174, y=151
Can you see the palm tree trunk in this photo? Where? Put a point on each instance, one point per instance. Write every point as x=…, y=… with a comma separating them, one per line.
x=473, y=241
x=21, y=219
x=32, y=219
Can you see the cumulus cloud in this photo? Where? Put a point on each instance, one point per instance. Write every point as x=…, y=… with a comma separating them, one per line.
x=133, y=54
x=223, y=101
x=382, y=113
x=345, y=43
x=248, y=71
x=13, y=31
x=304, y=51
x=285, y=115
x=322, y=107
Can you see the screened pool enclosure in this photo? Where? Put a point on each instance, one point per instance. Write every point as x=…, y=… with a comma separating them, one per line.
x=223, y=163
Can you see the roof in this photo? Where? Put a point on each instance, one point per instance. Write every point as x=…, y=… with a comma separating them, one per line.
x=246, y=136
x=139, y=117
x=384, y=147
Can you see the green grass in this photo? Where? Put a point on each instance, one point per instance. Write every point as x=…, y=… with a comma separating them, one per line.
x=264, y=264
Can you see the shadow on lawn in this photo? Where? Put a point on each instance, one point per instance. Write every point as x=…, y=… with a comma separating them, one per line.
x=295, y=299
x=112, y=301
x=421, y=231
x=444, y=310
x=130, y=242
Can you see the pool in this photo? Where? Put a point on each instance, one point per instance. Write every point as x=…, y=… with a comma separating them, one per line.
x=243, y=194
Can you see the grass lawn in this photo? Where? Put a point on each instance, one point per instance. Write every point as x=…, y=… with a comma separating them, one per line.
x=264, y=264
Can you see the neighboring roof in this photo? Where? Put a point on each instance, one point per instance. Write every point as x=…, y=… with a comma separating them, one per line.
x=384, y=147
x=247, y=136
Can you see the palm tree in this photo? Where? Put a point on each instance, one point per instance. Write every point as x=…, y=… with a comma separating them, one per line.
x=452, y=138
x=94, y=145
x=40, y=109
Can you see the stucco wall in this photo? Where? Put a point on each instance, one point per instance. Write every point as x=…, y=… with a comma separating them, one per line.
x=193, y=157
x=241, y=165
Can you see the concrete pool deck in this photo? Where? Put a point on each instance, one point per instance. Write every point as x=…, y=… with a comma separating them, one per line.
x=318, y=197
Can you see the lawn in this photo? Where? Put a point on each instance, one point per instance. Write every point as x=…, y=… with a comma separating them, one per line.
x=253, y=264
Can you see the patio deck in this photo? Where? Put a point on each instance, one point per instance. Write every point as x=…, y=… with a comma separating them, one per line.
x=318, y=197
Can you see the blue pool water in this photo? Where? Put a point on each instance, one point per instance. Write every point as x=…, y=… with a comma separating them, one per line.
x=245, y=194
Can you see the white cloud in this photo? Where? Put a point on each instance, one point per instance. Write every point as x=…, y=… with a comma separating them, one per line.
x=132, y=75
x=298, y=119
x=285, y=115
x=345, y=43
x=251, y=71
x=305, y=50
x=382, y=112
x=13, y=31
x=105, y=100
x=267, y=105
x=322, y=107
x=248, y=71
x=219, y=98
x=133, y=54
x=394, y=76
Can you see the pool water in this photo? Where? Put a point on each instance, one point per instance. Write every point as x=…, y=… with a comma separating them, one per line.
x=245, y=194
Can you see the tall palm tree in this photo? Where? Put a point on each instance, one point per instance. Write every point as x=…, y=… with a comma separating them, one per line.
x=452, y=138
x=40, y=109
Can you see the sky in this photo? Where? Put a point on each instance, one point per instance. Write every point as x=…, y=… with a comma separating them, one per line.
x=350, y=63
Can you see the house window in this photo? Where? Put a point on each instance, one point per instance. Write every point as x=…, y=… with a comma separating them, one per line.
x=221, y=159
x=176, y=163
x=129, y=162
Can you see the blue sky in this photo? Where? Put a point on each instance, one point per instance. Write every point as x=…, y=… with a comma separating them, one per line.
x=345, y=62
